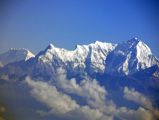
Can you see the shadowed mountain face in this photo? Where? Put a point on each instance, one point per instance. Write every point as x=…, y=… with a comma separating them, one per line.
x=99, y=81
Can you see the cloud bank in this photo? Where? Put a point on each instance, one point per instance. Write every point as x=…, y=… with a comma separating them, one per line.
x=61, y=104
x=58, y=97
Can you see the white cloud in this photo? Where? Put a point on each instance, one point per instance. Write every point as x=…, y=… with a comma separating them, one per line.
x=61, y=104
x=137, y=97
x=90, y=90
x=86, y=113
x=140, y=114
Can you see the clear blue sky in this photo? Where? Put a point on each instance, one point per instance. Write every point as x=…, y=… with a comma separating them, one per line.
x=33, y=24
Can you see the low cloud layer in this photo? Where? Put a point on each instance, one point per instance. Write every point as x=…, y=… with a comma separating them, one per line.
x=94, y=94
x=61, y=104
x=57, y=96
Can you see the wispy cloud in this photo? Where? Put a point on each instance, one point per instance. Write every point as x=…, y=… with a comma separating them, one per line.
x=137, y=97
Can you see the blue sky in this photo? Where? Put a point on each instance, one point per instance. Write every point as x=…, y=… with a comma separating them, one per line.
x=33, y=24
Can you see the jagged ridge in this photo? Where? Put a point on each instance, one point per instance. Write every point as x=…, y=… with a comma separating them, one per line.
x=99, y=57
x=126, y=58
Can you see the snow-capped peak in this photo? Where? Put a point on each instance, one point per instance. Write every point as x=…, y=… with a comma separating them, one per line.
x=128, y=57
x=102, y=45
x=23, y=52
x=99, y=43
x=29, y=55
x=92, y=55
x=98, y=57
x=50, y=46
x=131, y=56
x=15, y=55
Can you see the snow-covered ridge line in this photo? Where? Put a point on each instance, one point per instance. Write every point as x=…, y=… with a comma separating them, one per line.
x=127, y=57
x=96, y=43
x=15, y=55
x=92, y=55
x=26, y=52
x=98, y=57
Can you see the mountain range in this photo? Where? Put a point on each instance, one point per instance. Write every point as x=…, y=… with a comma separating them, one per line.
x=126, y=58
x=127, y=70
